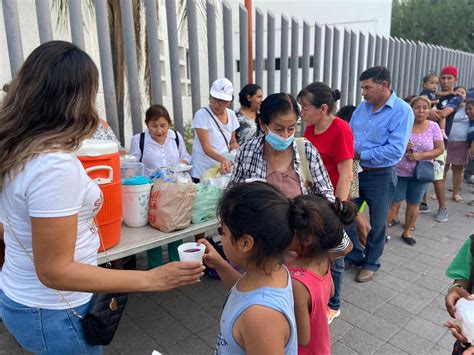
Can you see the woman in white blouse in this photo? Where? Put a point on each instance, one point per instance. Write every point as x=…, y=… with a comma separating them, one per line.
x=160, y=147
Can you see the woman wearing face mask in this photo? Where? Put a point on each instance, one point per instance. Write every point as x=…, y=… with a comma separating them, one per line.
x=274, y=156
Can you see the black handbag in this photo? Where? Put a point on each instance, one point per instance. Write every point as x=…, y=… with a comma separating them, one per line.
x=424, y=171
x=102, y=320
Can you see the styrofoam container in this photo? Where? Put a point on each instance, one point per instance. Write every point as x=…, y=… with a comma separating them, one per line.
x=135, y=199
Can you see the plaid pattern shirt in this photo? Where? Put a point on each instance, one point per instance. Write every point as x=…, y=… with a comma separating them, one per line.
x=251, y=164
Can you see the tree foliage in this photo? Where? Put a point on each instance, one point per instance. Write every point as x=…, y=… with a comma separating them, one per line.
x=449, y=23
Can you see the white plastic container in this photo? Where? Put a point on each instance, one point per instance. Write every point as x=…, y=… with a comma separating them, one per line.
x=135, y=199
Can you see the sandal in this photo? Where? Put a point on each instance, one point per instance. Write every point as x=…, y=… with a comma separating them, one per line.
x=457, y=198
x=409, y=240
x=394, y=222
x=470, y=214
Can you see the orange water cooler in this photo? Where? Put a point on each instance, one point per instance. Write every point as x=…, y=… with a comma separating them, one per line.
x=101, y=160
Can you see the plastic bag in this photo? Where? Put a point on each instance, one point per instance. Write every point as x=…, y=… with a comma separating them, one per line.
x=205, y=204
x=465, y=317
x=171, y=204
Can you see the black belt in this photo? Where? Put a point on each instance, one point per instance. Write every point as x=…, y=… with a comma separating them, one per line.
x=367, y=170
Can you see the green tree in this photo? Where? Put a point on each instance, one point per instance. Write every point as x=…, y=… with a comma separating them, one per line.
x=449, y=23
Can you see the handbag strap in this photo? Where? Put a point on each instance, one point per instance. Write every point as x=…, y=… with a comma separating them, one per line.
x=219, y=127
x=61, y=295
x=471, y=276
x=308, y=179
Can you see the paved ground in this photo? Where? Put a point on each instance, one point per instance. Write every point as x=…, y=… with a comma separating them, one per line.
x=401, y=312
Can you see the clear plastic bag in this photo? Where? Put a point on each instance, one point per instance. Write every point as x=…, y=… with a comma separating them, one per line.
x=465, y=317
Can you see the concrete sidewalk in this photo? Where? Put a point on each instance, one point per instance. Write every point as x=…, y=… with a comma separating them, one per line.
x=401, y=312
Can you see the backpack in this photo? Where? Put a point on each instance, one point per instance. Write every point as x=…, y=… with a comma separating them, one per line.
x=142, y=143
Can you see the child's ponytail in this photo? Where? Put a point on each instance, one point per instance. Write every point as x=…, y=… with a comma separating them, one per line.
x=345, y=210
x=318, y=223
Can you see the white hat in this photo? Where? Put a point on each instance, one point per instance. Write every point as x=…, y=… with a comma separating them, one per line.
x=222, y=89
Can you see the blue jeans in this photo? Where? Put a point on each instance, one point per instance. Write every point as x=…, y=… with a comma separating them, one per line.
x=337, y=271
x=45, y=331
x=377, y=189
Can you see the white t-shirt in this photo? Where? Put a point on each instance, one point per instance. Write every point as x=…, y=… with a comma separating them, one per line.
x=50, y=185
x=202, y=119
x=157, y=155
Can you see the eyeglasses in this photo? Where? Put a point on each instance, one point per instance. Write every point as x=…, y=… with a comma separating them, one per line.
x=219, y=101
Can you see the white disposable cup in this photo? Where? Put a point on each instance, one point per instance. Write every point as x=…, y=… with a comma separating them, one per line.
x=186, y=255
x=135, y=199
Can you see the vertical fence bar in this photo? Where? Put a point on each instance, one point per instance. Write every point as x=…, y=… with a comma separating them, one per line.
x=391, y=52
x=295, y=28
x=413, y=72
x=401, y=69
x=371, y=51
x=408, y=62
x=378, y=50
x=418, y=68
x=336, y=49
x=131, y=64
x=75, y=19
x=12, y=31
x=173, y=46
x=352, y=69
x=317, y=58
x=259, y=46
x=346, y=56
x=243, y=28
x=396, y=64
x=284, y=54
x=361, y=60
x=193, y=53
x=306, y=38
x=106, y=66
x=228, y=47
x=154, y=49
x=327, y=55
x=429, y=59
x=385, y=44
x=270, y=53
x=43, y=15
x=211, y=41
x=423, y=70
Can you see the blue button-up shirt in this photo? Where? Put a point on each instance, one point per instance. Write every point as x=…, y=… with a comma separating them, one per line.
x=381, y=136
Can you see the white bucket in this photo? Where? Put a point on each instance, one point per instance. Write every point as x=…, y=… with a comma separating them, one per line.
x=135, y=200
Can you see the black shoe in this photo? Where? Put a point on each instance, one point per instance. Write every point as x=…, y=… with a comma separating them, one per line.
x=409, y=240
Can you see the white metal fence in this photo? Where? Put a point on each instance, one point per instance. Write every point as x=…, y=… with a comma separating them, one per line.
x=308, y=52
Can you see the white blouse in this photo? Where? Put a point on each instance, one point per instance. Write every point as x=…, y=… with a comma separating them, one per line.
x=157, y=155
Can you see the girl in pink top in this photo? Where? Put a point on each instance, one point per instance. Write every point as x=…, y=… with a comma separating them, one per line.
x=318, y=227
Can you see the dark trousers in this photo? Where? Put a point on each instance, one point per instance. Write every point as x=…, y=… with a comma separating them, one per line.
x=377, y=189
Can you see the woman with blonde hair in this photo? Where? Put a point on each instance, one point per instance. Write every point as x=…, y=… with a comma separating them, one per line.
x=48, y=204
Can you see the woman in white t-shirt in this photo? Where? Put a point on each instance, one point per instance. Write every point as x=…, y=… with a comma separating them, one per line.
x=160, y=147
x=48, y=204
x=214, y=131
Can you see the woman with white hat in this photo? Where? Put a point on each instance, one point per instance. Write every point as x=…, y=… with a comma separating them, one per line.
x=214, y=130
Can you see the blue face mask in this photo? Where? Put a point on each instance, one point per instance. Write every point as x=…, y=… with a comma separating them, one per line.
x=278, y=143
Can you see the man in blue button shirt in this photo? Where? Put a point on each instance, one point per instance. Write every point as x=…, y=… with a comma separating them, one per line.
x=382, y=126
